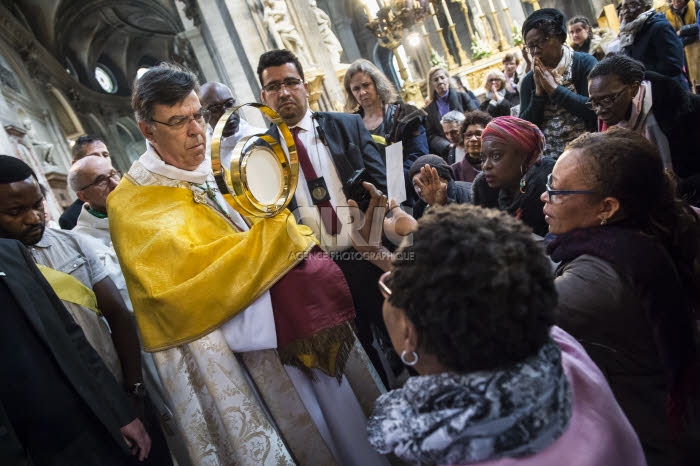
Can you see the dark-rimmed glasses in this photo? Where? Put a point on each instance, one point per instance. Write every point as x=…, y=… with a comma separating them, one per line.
x=219, y=108
x=604, y=102
x=538, y=44
x=383, y=287
x=180, y=122
x=292, y=84
x=563, y=192
x=102, y=181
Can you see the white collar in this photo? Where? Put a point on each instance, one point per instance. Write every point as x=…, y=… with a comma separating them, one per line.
x=153, y=163
x=306, y=123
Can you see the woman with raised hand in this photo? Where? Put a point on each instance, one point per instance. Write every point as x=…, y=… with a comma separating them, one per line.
x=627, y=279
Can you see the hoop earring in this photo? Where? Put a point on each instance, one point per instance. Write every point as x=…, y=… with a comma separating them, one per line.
x=411, y=363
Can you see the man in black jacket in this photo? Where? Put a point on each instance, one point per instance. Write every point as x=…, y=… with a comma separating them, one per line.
x=331, y=147
x=623, y=93
x=59, y=404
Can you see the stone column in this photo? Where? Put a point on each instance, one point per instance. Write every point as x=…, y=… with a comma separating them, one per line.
x=235, y=43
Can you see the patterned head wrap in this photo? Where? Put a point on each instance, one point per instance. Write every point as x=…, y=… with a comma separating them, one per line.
x=521, y=133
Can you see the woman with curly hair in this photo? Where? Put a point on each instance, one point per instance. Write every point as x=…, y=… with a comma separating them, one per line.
x=554, y=94
x=497, y=384
x=628, y=277
x=514, y=173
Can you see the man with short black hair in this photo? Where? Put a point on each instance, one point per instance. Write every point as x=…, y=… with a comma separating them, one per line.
x=331, y=148
x=59, y=404
x=74, y=272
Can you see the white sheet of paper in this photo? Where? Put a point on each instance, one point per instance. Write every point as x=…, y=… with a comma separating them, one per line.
x=394, y=172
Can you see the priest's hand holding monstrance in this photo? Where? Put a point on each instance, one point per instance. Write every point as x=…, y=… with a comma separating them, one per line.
x=261, y=179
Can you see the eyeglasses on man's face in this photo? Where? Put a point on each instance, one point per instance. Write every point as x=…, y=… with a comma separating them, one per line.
x=291, y=84
x=179, y=122
x=562, y=192
x=222, y=107
x=102, y=181
x=383, y=287
x=538, y=44
x=605, y=101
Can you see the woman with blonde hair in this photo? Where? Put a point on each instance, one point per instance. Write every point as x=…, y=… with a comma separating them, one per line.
x=374, y=98
x=498, y=99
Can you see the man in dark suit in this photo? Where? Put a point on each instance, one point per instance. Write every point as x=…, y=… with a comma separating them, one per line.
x=331, y=147
x=59, y=404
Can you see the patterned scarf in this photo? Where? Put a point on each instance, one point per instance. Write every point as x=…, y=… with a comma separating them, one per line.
x=514, y=130
x=465, y=418
x=629, y=30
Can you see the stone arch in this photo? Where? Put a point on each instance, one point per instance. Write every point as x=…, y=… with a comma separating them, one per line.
x=66, y=116
x=130, y=138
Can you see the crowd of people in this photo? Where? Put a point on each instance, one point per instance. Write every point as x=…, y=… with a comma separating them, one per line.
x=533, y=300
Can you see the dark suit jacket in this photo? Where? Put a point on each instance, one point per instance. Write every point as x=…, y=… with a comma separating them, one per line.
x=341, y=129
x=459, y=101
x=678, y=114
x=77, y=360
x=69, y=217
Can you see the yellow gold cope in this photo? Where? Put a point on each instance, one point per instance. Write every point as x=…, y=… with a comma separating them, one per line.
x=233, y=181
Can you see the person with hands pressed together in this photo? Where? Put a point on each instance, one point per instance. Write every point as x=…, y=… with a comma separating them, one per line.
x=554, y=94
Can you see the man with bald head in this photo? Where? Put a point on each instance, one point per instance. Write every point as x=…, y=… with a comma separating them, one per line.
x=217, y=99
x=85, y=146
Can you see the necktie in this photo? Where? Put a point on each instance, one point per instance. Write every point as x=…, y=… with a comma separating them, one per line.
x=328, y=215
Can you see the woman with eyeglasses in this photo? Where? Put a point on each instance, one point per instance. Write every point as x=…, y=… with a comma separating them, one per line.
x=443, y=99
x=498, y=99
x=554, y=94
x=472, y=127
x=514, y=173
x=497, y=383
x=627, y=280
x=623, y=93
